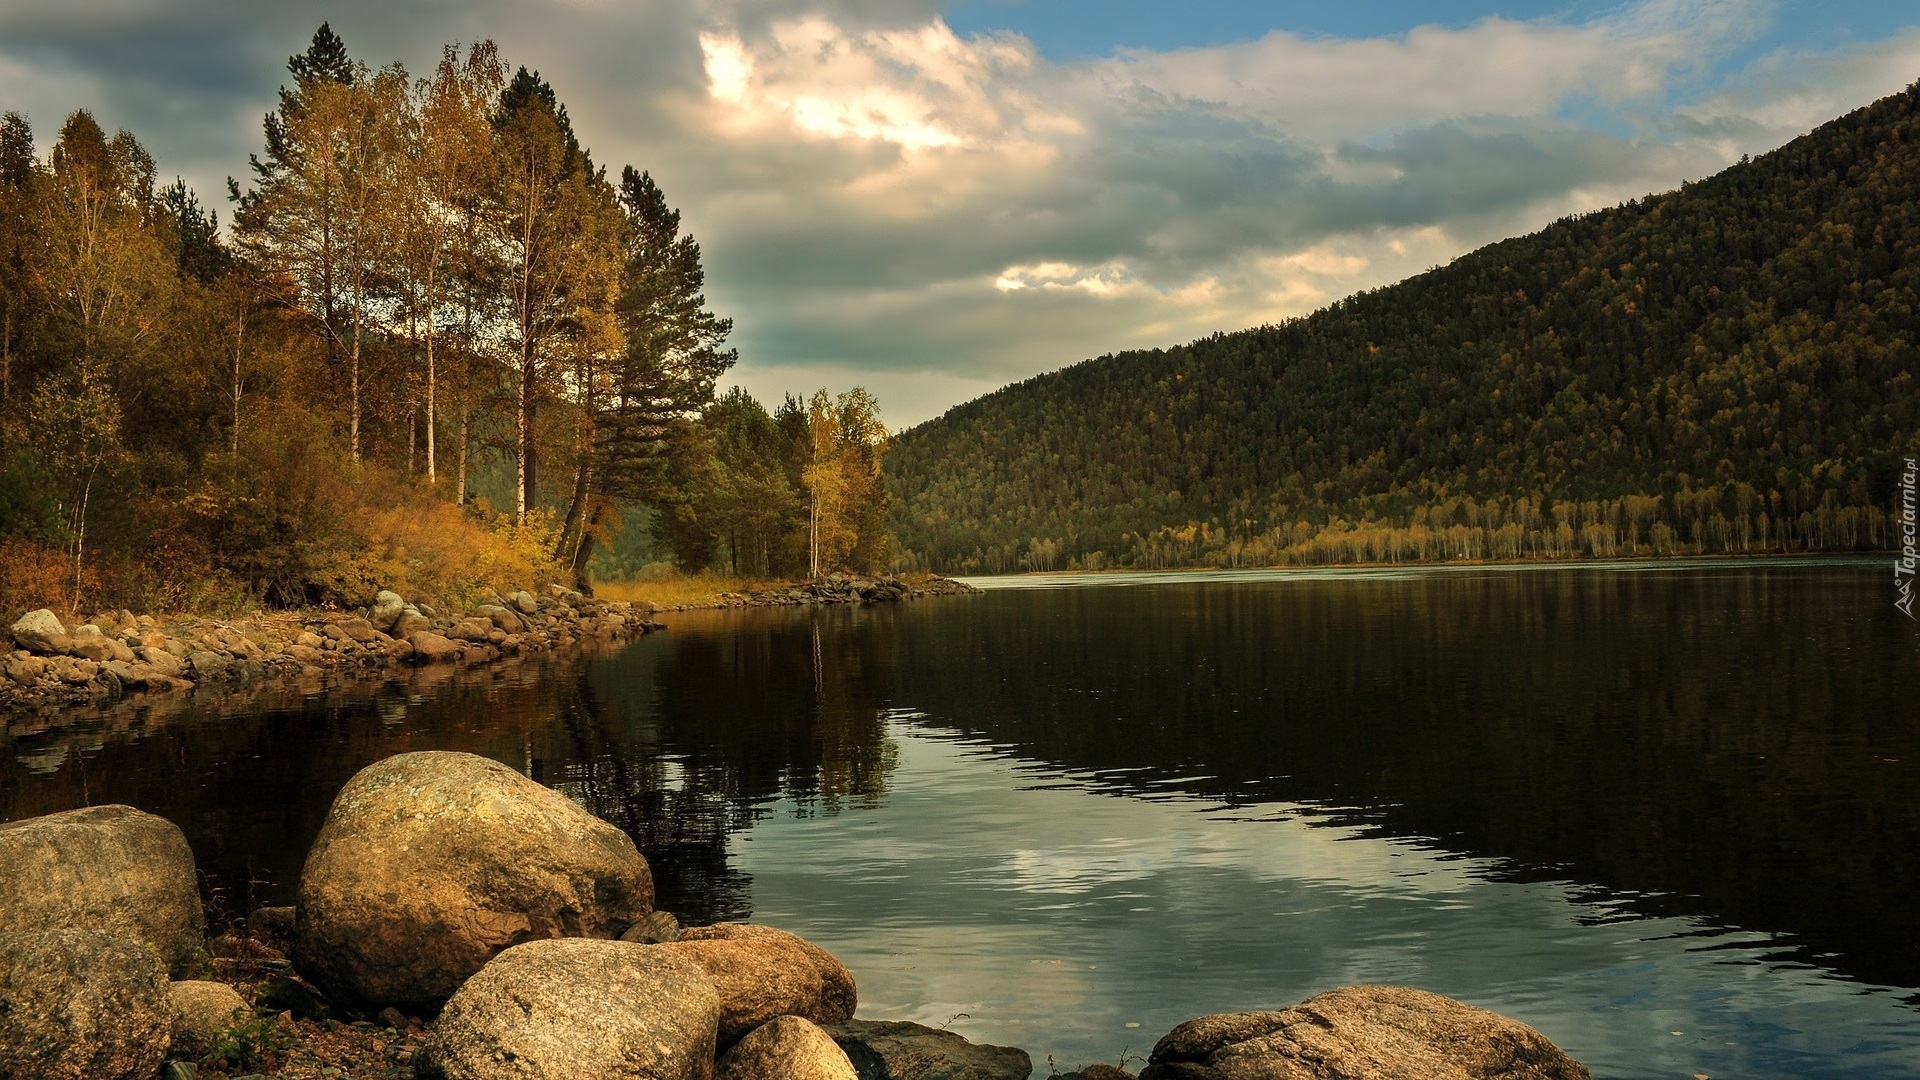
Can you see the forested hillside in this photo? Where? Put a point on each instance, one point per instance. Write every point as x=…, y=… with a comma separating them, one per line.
x=1727, y=367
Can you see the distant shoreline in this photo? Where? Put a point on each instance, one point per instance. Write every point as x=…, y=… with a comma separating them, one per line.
x=1676, y=562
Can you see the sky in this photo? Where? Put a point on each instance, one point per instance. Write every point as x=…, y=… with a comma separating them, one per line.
x=934, y=198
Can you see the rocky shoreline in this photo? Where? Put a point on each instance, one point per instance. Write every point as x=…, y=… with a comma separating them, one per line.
x=49, y=666
x=833, y=589
x=458, y=921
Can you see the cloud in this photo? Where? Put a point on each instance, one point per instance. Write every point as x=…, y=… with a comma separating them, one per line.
x=884, y=200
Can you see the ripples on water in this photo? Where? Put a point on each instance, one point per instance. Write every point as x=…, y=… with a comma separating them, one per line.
x=1666, y=817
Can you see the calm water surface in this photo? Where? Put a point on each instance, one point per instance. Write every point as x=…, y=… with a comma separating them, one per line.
x=1666, y=814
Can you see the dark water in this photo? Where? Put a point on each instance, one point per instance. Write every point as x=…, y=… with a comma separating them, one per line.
x=1667, y=815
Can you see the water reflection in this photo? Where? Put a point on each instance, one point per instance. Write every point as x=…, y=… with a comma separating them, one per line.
x=1742, y=743
x=682, y=741
x=942, y=789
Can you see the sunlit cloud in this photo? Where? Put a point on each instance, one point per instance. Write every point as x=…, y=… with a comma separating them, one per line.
x=882, y=199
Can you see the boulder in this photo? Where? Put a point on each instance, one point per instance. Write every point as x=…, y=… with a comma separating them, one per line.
x=762, y=973
x=411, y=622
x=785, y=1048
x=161, y=660
x=903, y=1050
x=1361, y=1033
x=23, y=672
x=40, y=631
x=472, y=629
x=201, y=1010
x=72, y=670
x=524, y=602
x=359, y=630
x=577, y=1010
x=1098, y=1072
x=431, y=648
x=387, y=607
x=88, y=643
x=107, y=868
x=431, y=863
x=81, y=1005
x=207, y=665
x=501, y=617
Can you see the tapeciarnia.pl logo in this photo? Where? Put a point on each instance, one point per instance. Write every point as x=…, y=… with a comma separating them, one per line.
x=1903, y=567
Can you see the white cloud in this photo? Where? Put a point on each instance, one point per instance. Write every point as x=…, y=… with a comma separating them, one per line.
x=882, y=199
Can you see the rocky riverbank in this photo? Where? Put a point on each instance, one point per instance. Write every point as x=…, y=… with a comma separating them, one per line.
x=456, y=920
x=47, y=664
x=50, y=667
x=833, y=589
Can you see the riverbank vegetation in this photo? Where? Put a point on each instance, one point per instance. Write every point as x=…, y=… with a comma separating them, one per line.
x=438, y=348
x=1724, y=368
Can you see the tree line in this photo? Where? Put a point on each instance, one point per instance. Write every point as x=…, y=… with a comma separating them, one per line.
x=423, y=279
x=1724, y=368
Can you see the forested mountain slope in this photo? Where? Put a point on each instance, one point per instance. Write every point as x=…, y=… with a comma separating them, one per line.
x=1725, y=367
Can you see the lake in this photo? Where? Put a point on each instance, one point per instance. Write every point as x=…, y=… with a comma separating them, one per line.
x=1665, y=812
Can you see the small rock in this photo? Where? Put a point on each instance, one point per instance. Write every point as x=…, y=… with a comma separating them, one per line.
x=656, y=928
x=762, y=973
x=307, y=639
x=1371, y=1032
x=393, y=1018
x=292, y=995
x=202, y=1010
x=785, y=1048
x=272, y=927
x=1098, y=1072
x=902, y=1050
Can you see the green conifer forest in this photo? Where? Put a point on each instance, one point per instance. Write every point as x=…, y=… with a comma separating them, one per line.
x=1720, y=369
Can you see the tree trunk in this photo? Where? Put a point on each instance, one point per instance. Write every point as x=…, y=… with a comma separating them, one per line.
x=353, y=365
x=583, y=552
x=460, y=482
x=433, y=475
x=576, y=511
x=524, y=497
x=239, y=346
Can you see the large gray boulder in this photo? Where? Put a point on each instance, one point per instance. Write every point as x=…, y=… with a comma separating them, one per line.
x=903, y=1050
x=430, y=864
x=785, y=1048
x=81, y=1005
x=763, y=973
x=1361, y=1033
x=387, y=606
x=577, y=1010
x=108, y=868
x=41, y=632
